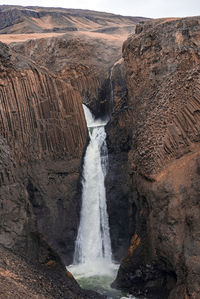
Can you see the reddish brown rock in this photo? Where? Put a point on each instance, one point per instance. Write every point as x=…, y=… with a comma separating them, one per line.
x=42, y=86
x=22, y=279
x=62, y=71
x=43, y=122
x=163, y=85
x=83, y=60
x=162, y=65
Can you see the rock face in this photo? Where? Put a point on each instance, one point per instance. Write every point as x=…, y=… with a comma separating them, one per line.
x=22, y=279
x=42, y=139
x=26, y=257
x=43, y=122
x=54, y=140
x=43, y=83
x=28, y=266
x=83, y=61
x=118, y=183
x=78, y=69
x=162, y=72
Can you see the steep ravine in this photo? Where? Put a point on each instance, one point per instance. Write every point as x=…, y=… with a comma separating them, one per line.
x=153, y=141
x=161, y=125
x=44, y=131
x=78, y=69
x=43, y=83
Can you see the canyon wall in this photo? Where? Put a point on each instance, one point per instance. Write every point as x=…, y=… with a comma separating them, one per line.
x=35, y=110
x=43, y=122
x=43, y=83
x=81, y=66
x=82, y=60
x=162, y=75
x=118, y=182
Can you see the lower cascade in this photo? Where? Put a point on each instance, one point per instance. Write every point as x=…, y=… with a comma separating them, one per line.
x=93, y=266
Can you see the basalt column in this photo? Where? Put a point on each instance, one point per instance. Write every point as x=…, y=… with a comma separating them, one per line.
x=43, y=122
x=118, y=180
x=163, y=79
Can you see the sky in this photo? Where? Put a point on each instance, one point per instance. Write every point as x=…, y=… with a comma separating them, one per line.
x=145, y=8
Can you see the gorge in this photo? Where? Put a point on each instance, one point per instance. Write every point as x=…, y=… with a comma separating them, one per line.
x=51, y=62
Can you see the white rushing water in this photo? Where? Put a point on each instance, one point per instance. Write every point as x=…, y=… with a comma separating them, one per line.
x=93, y=252
x=93, y=266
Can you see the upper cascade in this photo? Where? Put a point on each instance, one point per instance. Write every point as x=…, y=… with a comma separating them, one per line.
x=90, y=119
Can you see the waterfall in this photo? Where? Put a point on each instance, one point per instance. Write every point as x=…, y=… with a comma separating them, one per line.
x=93, y=267
x=93, y=254
x=93, y=239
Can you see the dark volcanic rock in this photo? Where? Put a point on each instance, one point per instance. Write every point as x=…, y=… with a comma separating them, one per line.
x=54, y=192
x=31, y=268
x=162, y=65
x=44, y=135
x=43, y=121
x=4, y=53
x=17, y=221
x=82, y=61
x=23, y=121
x=81, y=67
x=118, y=181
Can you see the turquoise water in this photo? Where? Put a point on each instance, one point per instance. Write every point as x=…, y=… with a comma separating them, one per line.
x=101, y=284
x=98, y=277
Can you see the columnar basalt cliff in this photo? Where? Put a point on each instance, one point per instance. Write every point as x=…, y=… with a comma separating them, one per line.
x=153, y=183
x=78, y=69
x=26, y=257
x=118, y=183
x=43, y=122
x=43, y=83
x=82, y=61
x=162, y=72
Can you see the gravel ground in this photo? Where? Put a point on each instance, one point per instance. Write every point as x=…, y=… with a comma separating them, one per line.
x=20, y=279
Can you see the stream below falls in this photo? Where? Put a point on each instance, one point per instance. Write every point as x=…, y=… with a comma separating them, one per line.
x=98, y=277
